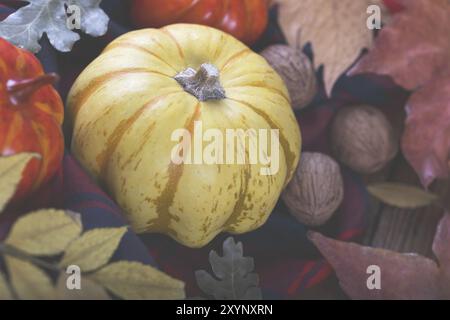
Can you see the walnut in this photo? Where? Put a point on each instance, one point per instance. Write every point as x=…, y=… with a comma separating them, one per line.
x=363, y=139
x=296, y=70
x=316, y=190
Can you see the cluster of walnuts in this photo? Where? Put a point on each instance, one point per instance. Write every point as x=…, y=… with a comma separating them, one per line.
x=363, y=140
x=361, y=136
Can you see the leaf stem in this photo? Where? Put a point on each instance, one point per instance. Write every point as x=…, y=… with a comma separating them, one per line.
x=9, y=250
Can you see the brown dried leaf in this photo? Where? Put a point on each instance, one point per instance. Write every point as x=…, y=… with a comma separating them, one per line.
x=337, y=31
x=401, y=195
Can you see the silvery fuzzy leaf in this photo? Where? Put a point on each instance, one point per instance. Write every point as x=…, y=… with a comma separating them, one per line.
x=234, y=278
x=26, y=26
x=94, y=20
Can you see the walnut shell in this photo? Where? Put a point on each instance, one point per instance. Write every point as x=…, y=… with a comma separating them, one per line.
x=296, y=70
x=363, y=138
x=316, y=190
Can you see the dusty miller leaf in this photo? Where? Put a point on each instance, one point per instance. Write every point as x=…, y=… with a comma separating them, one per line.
x=28, y=281
x=5, y=291
x=11, y=169
x=234, y=273
x=134, y=280
x=90, y=290
x=45, y=232
x=93, y=249
x=402, y=196
x=26, y=26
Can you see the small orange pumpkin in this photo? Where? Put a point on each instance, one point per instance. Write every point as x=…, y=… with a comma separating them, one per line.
x=31, y=115
x=244, y=19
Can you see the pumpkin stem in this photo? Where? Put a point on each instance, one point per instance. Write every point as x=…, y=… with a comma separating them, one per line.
x=21, y=90
x=204, y=84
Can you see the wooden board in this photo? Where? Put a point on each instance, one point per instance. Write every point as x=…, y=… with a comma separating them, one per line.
x=391, y=228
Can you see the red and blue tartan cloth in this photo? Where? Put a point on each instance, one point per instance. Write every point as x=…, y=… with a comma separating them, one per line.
x=285, y=260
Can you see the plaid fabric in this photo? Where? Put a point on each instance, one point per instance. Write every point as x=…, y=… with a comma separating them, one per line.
x=285, y=260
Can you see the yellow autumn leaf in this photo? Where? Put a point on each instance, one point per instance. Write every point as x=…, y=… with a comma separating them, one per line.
x=28, y=281
x=5, y=291
x=11, y=169
x=336, y=29
x=401, y=195
x=89, y=289
x=93, y=249
x=136, y=281
x=45, y=232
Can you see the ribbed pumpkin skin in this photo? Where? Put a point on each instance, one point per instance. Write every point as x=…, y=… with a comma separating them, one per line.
x=32, y=126
x=244, y=19
x=126, y=105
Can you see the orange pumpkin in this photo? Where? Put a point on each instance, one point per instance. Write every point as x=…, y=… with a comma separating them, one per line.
x=31, y=115
x=244, y=19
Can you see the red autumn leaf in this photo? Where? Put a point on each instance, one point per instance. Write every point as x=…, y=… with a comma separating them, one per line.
x=403, y=276
x=394, y=6
x=414, y=49
x=426, y=140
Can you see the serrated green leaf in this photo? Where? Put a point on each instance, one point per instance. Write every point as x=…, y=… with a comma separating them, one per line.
x=26, y=26
x=93, y=249
x=402, y=195
x=89, y=290
x=234, y=271
x=28, y=281
x=45, y=232
x=5, y=291
x=11, y=169
x=136, y=281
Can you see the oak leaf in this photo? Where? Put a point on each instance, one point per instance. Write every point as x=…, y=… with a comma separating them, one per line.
x=414, y=50
x=403, y=276
x=337, y=31
x=234, y=272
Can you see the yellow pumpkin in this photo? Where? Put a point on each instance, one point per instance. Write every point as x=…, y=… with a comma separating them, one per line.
x=127, y=104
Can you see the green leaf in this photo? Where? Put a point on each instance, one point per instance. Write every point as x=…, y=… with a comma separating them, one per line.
x=26, y=26
x=28, y=281
x=5, y=291
x=401, y=195
x=89, y=290
x=11, y=169
x=134, y=280
x=234, y=272
x=45, y=232
x=93, y=249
